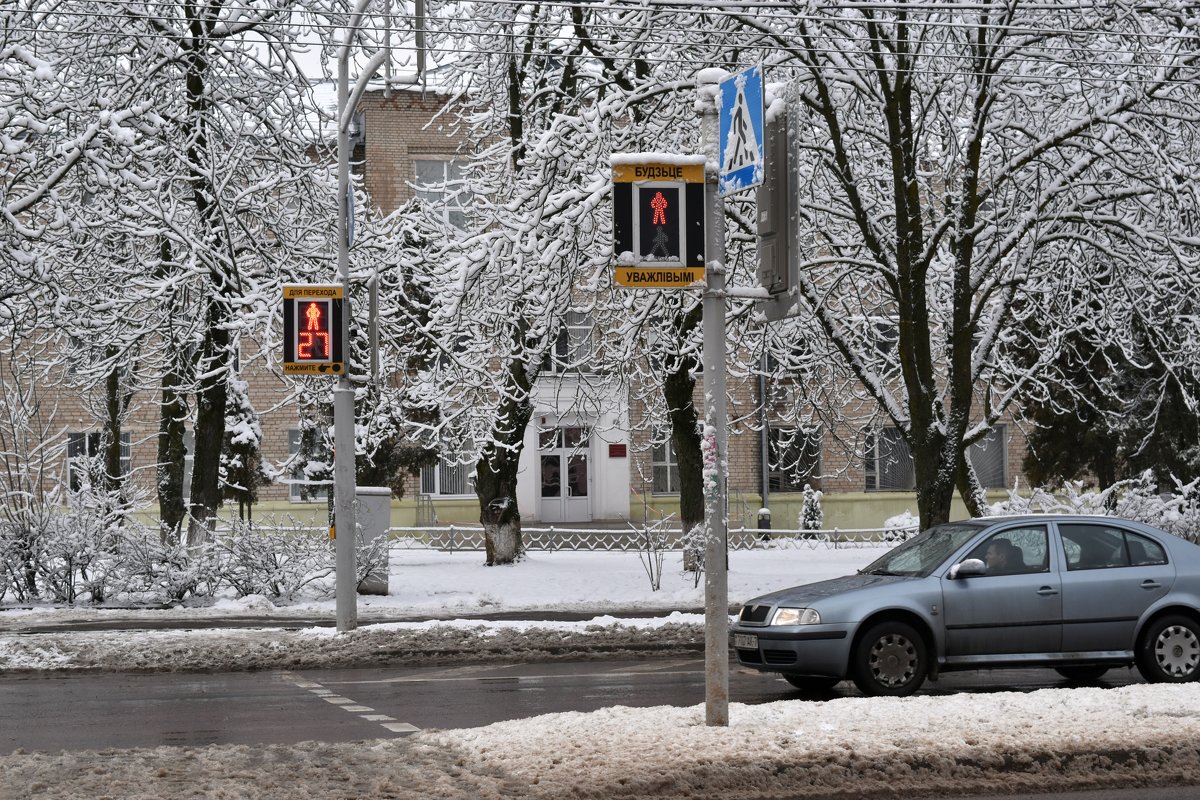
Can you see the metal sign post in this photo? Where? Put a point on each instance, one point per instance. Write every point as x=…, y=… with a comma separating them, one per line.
x=716, y=572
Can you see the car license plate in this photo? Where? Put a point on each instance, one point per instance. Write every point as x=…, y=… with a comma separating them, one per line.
x=746, y=641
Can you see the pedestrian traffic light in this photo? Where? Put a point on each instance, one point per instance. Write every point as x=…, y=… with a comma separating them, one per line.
x=312, y=324
x=660, y=223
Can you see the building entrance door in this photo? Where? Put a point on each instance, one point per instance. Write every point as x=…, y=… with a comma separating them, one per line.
x=565, y=474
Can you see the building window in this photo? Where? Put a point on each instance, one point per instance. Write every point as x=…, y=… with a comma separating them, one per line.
x=664, y=467
x=301, y=488
x=889, y=462
x=573, y=347
x=447, y=479
x=795, y=459
x=85, y=457
x=989, y=457
x=440, y=183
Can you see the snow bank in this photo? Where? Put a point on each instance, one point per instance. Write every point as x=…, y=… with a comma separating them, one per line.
x=1048, y=740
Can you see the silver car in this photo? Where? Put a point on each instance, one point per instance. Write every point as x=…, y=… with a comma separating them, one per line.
x=1079, y=594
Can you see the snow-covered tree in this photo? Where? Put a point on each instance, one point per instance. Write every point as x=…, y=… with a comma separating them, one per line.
x=977, y=184
x=224, y=202
x=535, y=103
x=812, y=518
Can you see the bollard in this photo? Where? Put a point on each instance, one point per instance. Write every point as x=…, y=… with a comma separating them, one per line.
x=764, y=523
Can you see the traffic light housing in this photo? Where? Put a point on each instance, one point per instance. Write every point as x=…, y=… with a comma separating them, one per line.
x=658, y=224
x=312, y=330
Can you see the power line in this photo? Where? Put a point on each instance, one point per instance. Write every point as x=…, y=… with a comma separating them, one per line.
x=720, y=39
x=696, y=8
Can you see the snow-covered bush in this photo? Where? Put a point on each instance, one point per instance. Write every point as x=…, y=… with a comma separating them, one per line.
x=812, y=517
x=19, y=548
x=652, y=544
x=77, y=553
x=154, y=570
x=900, y=527
x=273, y=561
x=370, y=557
x=1140, y=499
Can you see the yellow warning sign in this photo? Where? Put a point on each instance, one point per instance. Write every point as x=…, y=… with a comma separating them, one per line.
x=658, y=277
x=635, y=173
x=293, y=291
x=326, y=368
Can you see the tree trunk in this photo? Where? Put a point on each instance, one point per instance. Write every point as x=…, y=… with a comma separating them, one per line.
x=495, y=486
x=935, y=478
x=171, y=457
x=678, y=390
x=973, y=494
x=210, y=428
x=112, y=429
x=212, y=393
x=496, y=470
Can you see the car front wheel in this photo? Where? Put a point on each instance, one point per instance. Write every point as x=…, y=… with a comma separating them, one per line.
x=890, y=659
x=1170, y=651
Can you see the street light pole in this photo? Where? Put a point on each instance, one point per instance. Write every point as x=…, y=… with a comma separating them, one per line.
x=344, y=483
x=345, y=589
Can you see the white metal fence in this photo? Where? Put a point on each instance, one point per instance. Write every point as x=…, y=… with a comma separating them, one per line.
x=470, y=537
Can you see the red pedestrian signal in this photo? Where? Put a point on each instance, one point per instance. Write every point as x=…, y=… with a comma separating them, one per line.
x=312, y=342
x=312, y=326
x=660, y=232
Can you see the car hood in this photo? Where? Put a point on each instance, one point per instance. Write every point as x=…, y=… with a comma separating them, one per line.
x=812, y=592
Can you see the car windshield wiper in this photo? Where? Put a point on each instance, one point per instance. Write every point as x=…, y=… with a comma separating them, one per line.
x=887, y=572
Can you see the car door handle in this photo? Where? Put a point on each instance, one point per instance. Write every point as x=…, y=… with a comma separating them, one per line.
x=1151, y=584
x=1047, y=591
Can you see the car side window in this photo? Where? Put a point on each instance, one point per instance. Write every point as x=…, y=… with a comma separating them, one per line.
x=1098, y=546
x=1144, y=551
x=1015, y=551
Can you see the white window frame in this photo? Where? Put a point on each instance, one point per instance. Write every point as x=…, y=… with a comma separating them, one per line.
x=662, y=456
x=448, y=194
x=447, y=474
x=573, y=350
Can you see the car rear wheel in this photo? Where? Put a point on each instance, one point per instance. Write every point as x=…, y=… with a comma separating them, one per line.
x=1088, y=674
x=810, y=683
x=1170, y=651
x=890, y=659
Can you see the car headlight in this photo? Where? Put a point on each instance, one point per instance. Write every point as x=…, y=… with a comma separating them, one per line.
x=796, y=616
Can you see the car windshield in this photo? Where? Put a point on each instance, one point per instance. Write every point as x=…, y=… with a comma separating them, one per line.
x=925, y=552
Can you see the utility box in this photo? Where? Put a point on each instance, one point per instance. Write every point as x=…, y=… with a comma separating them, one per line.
x=374, y=518
x=776, y=222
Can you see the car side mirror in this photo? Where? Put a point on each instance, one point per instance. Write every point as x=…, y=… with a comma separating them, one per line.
x=968, y=568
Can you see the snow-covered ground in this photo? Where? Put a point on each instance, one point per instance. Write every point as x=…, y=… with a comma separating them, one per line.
x=438, y=592
x=848, y=747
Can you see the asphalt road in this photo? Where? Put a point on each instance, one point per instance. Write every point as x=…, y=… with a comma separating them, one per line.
x=120, y=710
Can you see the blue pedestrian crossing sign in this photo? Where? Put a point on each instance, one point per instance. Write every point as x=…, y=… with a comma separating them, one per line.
x=740, y=104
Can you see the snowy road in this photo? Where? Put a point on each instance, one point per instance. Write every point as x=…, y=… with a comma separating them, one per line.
x=92, y=710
